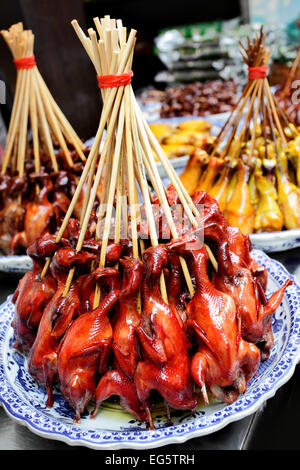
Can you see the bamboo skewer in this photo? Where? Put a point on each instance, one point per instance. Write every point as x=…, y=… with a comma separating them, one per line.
x=256, y=90
x=110, y=106
x=34, y=107
x=126, y=157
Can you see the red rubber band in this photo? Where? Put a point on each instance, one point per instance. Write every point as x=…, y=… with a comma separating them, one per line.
x=25, y=62
x=257, y=72
x=116, y=80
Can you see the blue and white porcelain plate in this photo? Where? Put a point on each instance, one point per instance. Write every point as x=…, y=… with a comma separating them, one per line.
x=15, y=264
x=272, y=242
x=24, y=400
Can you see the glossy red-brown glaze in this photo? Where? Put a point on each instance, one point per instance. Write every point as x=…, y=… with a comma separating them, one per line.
x=37, y=217
x=125, y=345
x=59, y=312
x=33, y=294
x=224, y=361
x=85, y=349
x=166, y=364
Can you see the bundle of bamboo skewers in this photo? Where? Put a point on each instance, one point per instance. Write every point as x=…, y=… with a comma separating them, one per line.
x=127, y=156
x=253, y=169
x=40, y=141
x=34, y=105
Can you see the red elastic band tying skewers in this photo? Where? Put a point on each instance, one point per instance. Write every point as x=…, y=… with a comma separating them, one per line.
x=116, y=80
x=25, y=62
x=257, y=72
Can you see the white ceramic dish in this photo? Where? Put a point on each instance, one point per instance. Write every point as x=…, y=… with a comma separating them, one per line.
x=15, y=264
x=271, y=242
x=113, y=428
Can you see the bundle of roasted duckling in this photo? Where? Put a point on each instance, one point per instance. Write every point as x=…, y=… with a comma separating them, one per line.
x=254, y=173
x=43, y=155
x=26, y=213
x=188, y=349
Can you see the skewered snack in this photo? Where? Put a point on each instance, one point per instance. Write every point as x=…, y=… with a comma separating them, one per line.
x=120, y=379
x=253, y=168
x=85, y=348
x=33, y=294
x=139, y=308
x=36, y=176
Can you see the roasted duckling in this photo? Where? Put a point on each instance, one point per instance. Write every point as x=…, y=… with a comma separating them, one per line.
x=192, y=172
x=33, y=294
x=120, y=380
x=224, y=361
x=239, y=211
x=85, y=348
x=166, y=365
x=220, y=188
x=37, y=216
x=288, y=195
x=59, y=312
x=12, y=212
x=251, y=305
